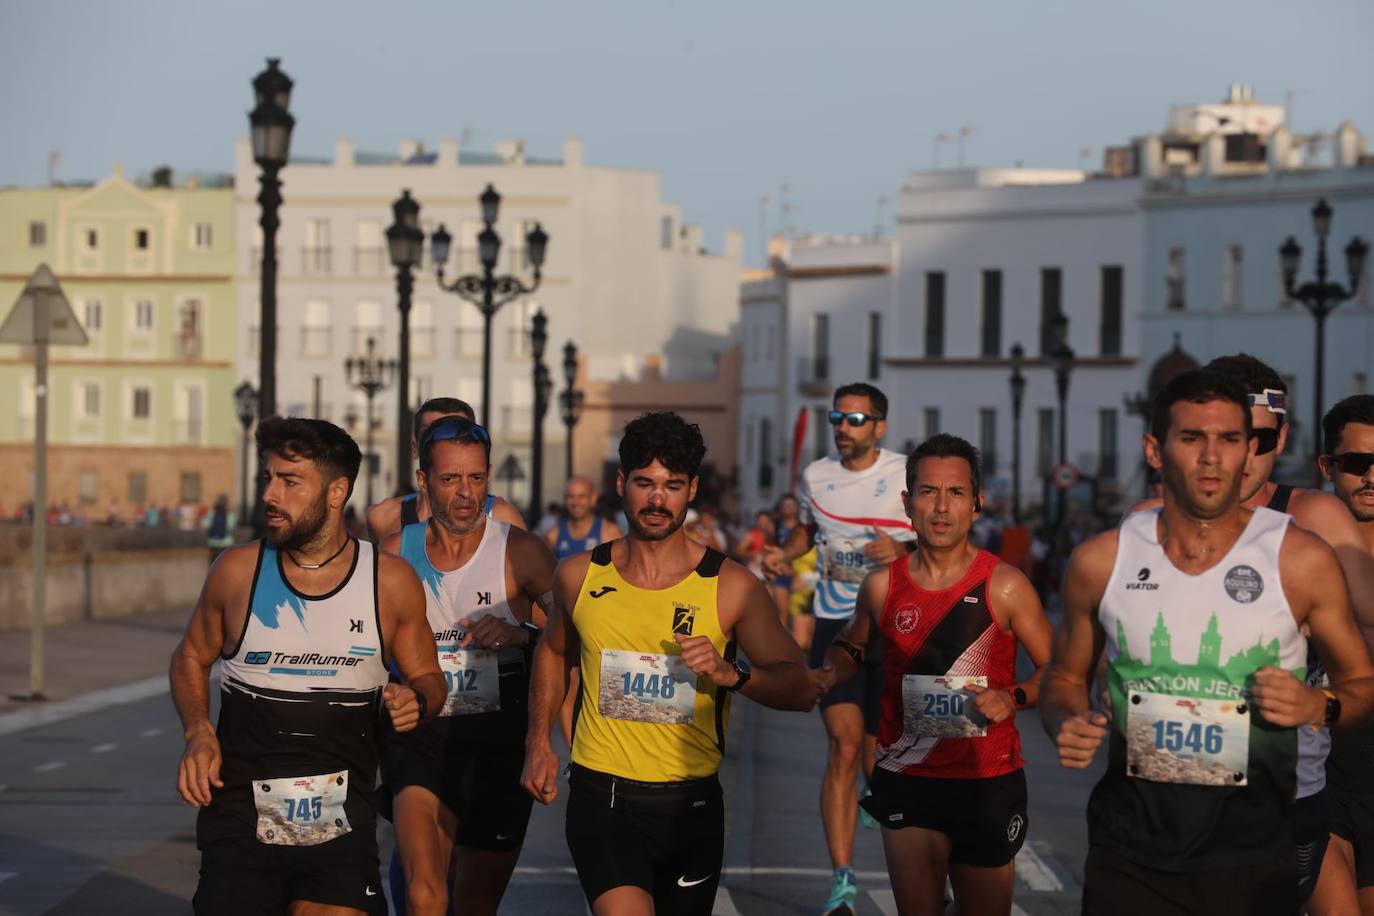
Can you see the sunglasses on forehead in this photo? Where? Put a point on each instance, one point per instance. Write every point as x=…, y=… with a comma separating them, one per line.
x=456, y=428
x=853, y=418
x=1354, y=463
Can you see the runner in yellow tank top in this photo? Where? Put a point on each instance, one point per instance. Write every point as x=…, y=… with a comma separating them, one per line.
x=654, y=619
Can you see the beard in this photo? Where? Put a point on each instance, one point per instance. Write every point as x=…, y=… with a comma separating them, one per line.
x=440, y=512
x=299, y=532
x=675, y=522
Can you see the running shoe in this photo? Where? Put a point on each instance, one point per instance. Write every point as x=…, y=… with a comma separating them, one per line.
x=844, y=894
x=864, y=817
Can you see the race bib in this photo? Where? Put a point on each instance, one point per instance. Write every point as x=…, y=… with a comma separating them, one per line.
x=1186, y=740
x=473, y=677
x=301, y=810
x=644, y=687
x=845, y=561
x=936, y=706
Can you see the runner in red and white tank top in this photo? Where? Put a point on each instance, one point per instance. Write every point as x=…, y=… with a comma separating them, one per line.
x=948, y=787
x=950, y=634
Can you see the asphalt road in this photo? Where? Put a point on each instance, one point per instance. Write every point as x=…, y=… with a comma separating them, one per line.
x=90, y=822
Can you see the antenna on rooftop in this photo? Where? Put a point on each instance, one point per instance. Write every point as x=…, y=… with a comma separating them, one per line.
x=764, y=201
x=935, y=155
x=785, y=211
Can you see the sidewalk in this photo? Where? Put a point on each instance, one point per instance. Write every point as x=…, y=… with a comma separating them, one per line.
x=90, y=656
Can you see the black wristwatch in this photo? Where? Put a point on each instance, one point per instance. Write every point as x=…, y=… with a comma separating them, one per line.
x=421, y=702
x=1018, y=696
x=744, y=675
x=1333, y=709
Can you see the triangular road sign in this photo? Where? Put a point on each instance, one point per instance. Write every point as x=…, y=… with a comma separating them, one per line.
x=63, y=328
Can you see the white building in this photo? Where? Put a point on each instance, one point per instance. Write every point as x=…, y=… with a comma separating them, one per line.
x=625, y=278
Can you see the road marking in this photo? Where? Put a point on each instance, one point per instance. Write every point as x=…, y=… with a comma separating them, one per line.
x=87, y=703
x=150, y=732
x=1034, y=873
x=6, y=875
x=103, y=748
x=724, y=905
x=753, y=872
x=50, y=766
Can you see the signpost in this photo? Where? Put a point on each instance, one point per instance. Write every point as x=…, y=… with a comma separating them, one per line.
x=40, y=317
x=1065, y=476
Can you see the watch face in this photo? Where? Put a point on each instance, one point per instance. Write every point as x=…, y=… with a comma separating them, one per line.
x=1019, y=696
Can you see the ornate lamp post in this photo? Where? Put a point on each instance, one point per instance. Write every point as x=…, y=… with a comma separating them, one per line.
x=1321, y=298
x=543, y=387
x=370, y=374
x=1017, y=381
x=245, y=403
x=406, y=243
x=487, y=290
x=1062, y=360
x=570, y=399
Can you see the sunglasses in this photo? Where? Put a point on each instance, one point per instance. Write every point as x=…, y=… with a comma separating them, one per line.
x=854, y=418
x=456, y=428
x=1266, y=440
x=1354, y=463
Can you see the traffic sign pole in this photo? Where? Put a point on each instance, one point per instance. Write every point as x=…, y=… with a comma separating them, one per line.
x=40, y=495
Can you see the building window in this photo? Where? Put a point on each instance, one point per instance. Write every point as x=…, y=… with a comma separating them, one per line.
x=1109, y=339
x=1173, y=280
x=931, y=421
x=749, y=441
x=875, y=344
x=142, y=407
x=935, y=314
x=143, y=315
x=820, y=436
x=141, y=239
x=820, y=346
x=1230, y=280
x=38, y=234
x=1106, y=442
x=138, y=487
x=88, y=487
x=1044, y=440
x=190, y=487
x=89, y=403
x=987, y=439
x=316, y=255
x=203, y=237
x=92, y=239
x=94, y=315
x=1051, y=307
x=317, y=333
x=665, y=232
x=992, y=313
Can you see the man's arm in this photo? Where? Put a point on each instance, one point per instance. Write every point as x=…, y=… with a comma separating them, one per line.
x=1013, y=598
x=548, y=681
x=857, y=636
x=1314, y=588
x=1329, y=519
x=780, y=678
x=402, y=603
x=1065, y=710
x=777, y=561
x=529, y=564
x=503, y=511
x=384, y=520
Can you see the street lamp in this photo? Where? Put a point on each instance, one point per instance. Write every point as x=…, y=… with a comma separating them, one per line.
x=271, y=124
x=406, y=243
x=1018, y=397
x=1062, y=361
x=1321, y=297
x=245, y=402
x=370, y=374
x=487, y=290
x=570, y=399
x=543, y=386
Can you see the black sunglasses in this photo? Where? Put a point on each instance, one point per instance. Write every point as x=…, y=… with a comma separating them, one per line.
x=459, y=428
x=1266, y=440
x=853, y=418
x=1355, y=463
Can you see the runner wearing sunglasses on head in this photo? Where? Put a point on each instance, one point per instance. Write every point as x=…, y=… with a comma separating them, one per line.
x=1325, y=516
x=851, y=509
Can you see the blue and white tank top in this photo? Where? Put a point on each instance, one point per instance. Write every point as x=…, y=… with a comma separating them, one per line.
x=567, y=545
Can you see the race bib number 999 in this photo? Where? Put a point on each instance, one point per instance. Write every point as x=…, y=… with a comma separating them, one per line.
x=937, y=706
x=301, y=810
x=845, y=561
x=1185, y=740
x=646, y=687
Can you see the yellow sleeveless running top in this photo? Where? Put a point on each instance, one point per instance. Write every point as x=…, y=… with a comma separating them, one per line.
x=641, y=712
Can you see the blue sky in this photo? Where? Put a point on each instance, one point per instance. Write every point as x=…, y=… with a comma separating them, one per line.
x=727, y=100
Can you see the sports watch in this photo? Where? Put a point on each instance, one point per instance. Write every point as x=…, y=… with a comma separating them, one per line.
x=1018, y=696
x=1333, y=709
x=744, y=672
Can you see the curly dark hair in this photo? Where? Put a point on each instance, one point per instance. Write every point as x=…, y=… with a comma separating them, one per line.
x=665, y=436
x=944, y=445
x=1198, y=386
x=1255, y=374
x=331, y=449
x=1358, y=408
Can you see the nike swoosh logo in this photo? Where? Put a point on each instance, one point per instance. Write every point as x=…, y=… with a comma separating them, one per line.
x=501, y=838
x=603, y=591
x=370, y=892
x=683, y=882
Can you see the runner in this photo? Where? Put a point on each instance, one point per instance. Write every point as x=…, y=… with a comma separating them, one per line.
x=389, y=516
x=948, y=785
x=459, y=810
x=851, y=509
x=655, y=619
x=1195, y=811
x=581, y=528
x=1347, y=878
x=284, y=782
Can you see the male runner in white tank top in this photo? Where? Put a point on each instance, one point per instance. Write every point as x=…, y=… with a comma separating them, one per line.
x=1195, y=812
x=304, y=625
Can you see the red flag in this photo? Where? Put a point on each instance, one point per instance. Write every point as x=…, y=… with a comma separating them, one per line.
x=798, y=439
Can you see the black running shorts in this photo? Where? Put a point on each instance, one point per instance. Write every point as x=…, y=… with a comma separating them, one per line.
x=865, y=689
x=1115, y=886
x=667, y=838
x=1311, y=832
x=985, y=819
x=244, y=876
x=1352, y=819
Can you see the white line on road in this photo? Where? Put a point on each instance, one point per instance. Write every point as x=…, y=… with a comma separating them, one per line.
x=6, y=875
x=103, y=748
x=50, y=766
x=150, y=732
x=1033, y=871
x=47, y=714
x=724, y=905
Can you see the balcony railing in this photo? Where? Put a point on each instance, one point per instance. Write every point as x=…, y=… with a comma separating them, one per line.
x=317, y=341
x=188, y=432
x=188, y=346
x=370, y=261
x=422, y=342
x=316, y=262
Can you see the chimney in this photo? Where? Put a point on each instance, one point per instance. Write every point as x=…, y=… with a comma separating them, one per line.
x=572, y=152
x=343, y=153
x=448, y=153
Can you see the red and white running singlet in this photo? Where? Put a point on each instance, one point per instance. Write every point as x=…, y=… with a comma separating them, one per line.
x=937, y=643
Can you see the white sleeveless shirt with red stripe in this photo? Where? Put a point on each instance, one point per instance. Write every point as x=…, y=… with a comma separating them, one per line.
x=943, y=635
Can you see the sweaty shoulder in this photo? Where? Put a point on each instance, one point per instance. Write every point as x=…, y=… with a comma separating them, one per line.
x=1092, y=560
x=1324, y=515
x=503, y=511
x=1304, y=553
x=572, y=571
x=384, y=518
x=1145, y=505
x=235, y=565
x=394, y=572
x=391, y=544
x=521, y=544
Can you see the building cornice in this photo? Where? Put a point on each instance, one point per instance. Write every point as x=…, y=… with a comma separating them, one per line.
x=125, y=363
x=1162, y=200
x=1115, y=209
x=974, y=362
x=302, y=199
x=136, y=279
x=823, y=273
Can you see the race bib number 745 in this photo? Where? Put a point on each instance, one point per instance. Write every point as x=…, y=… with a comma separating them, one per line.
x=301, y=810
